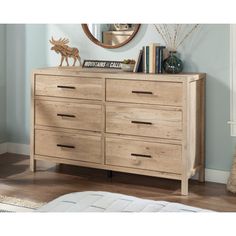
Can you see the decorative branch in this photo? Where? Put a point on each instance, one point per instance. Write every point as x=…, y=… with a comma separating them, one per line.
x=168, y=34
x=186, y=36
x=174, y=35
x=159, y=30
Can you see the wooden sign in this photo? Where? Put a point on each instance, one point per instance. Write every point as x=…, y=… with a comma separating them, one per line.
x=102, y=64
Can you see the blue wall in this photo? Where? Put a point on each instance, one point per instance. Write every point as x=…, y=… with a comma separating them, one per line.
x=25, y=51
x=207, y=51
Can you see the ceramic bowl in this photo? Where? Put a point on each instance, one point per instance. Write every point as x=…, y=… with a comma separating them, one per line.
x=127, y=67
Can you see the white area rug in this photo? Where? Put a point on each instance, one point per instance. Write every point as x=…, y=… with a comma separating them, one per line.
x=94, y=201
x=11, y=204
x=97, y=201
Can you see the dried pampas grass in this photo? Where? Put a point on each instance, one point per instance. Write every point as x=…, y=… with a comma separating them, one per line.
x=175, y=34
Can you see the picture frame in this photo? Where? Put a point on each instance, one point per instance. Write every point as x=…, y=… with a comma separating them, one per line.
x=102, y=64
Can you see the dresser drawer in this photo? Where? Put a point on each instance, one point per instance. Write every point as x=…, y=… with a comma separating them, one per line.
x=68, y=115
x=68, y=87
x=150, y=92
x=69, y=146
x=143, y=155
x=144, y=122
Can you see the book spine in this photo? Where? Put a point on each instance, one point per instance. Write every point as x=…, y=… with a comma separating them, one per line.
x=144, y=60
x=160, y=67
x=150, y=58
x=138, y=61
x=147, y=59
x=154, y=59
x=157, y=60
x=140, y=65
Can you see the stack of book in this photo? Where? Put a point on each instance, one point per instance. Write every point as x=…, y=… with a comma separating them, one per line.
x=150, y=59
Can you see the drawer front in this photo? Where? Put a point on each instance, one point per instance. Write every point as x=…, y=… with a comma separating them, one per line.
x=149, y=92
x=143, y=155
x=68, y=115
x=69, y=146
x=144, y=122
x=69, y=87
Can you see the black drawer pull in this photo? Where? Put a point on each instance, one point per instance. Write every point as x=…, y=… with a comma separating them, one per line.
x=141, y=122
x=66, y=115
x=141, y=155
x=65, y=87
x=142, y=92
x=65, y=146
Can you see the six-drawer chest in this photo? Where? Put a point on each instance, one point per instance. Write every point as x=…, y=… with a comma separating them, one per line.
x=148, y=124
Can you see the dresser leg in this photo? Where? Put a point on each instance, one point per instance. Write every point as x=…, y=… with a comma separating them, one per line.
x=184, y=186
x=109, y=174
x=32, y=165
x=201, y=175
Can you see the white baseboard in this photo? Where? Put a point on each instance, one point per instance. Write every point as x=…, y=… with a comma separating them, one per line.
x=217, y=176
x=17, y=148
x=3, y=148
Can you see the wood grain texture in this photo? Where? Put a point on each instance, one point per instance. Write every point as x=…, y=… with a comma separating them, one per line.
x=201, y=115
x=67, y=115
x=144, y=139
x=123, y=169
x=144, y=122
x=85, y=148
x=69, y=87
x=186, y=140
x=149, y=92
x=193, y=126
x=158, y=120
x=143, y=155
x=118, y=74
x=61, y=46
x=196, y=132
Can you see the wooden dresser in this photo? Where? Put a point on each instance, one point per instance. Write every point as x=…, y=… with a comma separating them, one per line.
x=137, y=123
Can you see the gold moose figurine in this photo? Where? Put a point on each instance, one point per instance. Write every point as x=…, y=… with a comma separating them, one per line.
x=60, y=46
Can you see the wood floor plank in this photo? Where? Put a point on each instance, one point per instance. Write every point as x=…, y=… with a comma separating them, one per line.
x=51, y=181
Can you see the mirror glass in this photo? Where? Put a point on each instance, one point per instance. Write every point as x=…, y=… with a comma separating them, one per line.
x=110, y=35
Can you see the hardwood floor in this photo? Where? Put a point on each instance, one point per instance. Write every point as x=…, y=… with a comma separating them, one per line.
x=51, y=181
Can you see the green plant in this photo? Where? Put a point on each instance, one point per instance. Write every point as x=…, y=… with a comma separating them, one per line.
x=128, y=61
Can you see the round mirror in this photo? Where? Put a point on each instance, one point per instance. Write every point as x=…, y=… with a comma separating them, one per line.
x=110, y=35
